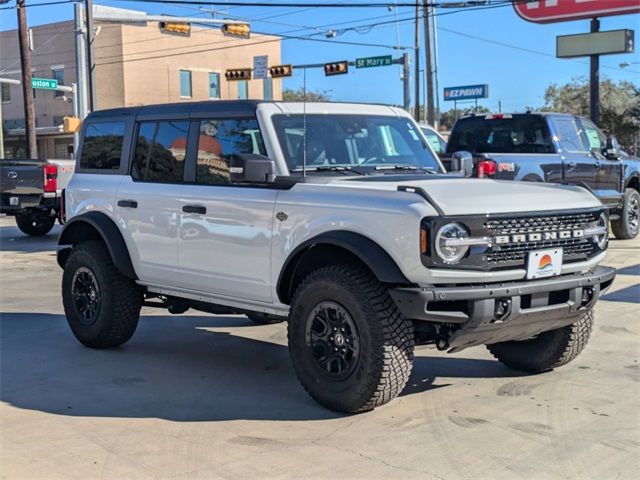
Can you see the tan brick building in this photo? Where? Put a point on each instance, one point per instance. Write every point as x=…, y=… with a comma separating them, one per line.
x=136, y=64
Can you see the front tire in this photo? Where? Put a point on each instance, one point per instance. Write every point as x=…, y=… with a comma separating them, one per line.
x=628, y=225
x=102, y=305
x=548, y=350
x=351, y=349
x=35, y=224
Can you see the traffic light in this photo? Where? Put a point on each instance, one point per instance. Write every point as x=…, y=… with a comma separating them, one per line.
x=183, y=29
x=238, y=74
x=279, y=71
x=241, y=30
x=336, y=68
x=70, y=124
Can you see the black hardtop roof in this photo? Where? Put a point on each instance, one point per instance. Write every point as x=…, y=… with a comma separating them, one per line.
x=184, y=108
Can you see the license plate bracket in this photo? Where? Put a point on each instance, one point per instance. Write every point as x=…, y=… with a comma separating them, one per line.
x=544, y=263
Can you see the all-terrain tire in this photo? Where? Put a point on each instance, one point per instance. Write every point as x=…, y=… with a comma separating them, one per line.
x=628, y=225
x=385, y=339
x=119, y=298
x=264, y=318
x=548, y=350
x=35, y=224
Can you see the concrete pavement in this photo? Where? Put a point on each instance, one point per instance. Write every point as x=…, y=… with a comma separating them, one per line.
x=197, y=396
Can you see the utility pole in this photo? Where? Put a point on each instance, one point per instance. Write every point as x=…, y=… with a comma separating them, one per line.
x=406, y=75
x=27, y=90
x=594, y=80
x=428, y=69
x=416, y=48
x=91, y=78
x=81, y=61
x=436, y=71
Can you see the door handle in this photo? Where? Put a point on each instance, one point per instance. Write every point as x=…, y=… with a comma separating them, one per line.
x=194, y=209
x=572, y=164
x=597, y=164
x=128, y=203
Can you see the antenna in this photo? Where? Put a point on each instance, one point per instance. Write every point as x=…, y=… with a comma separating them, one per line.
x=304, y=122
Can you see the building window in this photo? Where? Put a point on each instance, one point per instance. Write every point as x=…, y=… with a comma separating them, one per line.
x=243, y=89
x=160, y=152
x=185, y=83
x=6, y=93
x=58, y=74
x=214, y=85
x=267, y=89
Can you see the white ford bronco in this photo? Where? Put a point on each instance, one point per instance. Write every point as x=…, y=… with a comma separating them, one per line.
x=337, y=218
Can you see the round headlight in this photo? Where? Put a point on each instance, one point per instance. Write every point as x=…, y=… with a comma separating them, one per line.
x=601, y=238
x=446, y=243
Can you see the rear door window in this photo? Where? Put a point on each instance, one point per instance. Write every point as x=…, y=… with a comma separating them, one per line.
x=218, y=140
x=102, y=146
x=160, y=151
x=569, y=135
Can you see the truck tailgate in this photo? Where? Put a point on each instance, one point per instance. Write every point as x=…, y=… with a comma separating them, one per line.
x=21, y=177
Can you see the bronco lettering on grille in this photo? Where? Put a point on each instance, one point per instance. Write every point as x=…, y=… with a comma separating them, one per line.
x=537, y=237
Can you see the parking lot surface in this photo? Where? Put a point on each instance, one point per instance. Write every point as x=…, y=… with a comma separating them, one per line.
x=197, y=396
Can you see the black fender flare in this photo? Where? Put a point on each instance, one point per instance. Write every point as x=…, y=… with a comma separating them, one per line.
x=366, y=250
x=632, y=181
x=96, y=225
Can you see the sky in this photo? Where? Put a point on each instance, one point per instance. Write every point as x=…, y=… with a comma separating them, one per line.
x=493, y=46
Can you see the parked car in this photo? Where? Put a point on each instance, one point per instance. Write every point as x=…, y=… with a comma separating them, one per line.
x=437, y=142
x=340, y=220
x=30, y=190
x=553, y=147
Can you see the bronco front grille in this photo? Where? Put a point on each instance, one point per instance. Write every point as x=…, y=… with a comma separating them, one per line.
x=512, y=254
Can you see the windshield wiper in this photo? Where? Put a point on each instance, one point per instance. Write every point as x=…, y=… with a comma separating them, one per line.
x=404, y=167
x=331, y=168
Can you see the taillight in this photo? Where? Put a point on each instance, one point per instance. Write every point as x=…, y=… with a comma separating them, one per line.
x=486, y=168
x=50, y=178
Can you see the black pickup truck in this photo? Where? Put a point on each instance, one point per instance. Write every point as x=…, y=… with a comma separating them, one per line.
x=552, y=147
x=30, y=190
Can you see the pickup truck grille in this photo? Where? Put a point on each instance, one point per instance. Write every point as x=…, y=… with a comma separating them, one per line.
x=514, y=254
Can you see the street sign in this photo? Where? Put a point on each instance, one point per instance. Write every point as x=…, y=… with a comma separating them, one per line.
x=597, y=43
x=368, y=62
x=549, y=11
x=44, y=83
x=468, y=92
x=260, y=66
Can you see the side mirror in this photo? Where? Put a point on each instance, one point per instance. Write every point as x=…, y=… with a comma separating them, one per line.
x=462, y=161
x=612, y=148
x=251, y=168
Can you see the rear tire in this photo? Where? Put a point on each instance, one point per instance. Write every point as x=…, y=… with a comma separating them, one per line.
x=102, y=305
x=35, y=224
x=628, y=225
x=264, y=318
x=548, y=350
x=351, y=349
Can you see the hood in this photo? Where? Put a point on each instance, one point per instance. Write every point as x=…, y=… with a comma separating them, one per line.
x=471, y=196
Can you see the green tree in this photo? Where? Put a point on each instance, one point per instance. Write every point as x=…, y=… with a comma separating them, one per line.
x=448, y=118
x=619, y=107
x=298, y=95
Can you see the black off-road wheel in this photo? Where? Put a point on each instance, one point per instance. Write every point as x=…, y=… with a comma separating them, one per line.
x=628, y=225
x=548, y=350
x=264, y=318
x=102, y=305
x=35, y=224
x=350, y=347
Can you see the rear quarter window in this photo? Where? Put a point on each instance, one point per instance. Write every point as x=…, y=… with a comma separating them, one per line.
x=102, y=146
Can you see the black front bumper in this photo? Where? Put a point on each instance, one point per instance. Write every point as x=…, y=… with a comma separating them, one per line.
x=492, y=313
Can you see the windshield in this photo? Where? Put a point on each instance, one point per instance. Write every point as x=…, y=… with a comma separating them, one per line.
x=517, y=134
x=352, y=141
x=436, y=142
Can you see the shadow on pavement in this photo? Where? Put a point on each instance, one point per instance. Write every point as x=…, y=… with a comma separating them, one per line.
x=175, y=368
x=13, y=240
